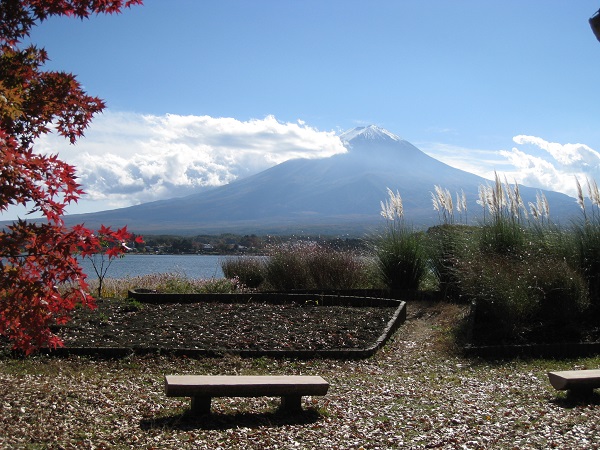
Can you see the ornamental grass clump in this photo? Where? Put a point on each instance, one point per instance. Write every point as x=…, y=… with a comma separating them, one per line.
x=521, y=283
x=287, y=268
x=586, y=241
x=520, y=300
x=310, y=265
x=516, y=268
x=249, y=270
x=501, y=307
x=444, y=205
x=333, y=269
x=399, y=250
x=447, y=245
x=503, y=231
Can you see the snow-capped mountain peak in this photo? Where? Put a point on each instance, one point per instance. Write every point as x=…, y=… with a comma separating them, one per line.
x=371, y=132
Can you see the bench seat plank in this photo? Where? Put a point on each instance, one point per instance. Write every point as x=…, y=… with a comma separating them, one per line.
x=201, y=388
x=575, y=379
x=243, y=385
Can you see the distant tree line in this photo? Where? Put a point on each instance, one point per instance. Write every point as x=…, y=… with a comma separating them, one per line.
x=227, y=243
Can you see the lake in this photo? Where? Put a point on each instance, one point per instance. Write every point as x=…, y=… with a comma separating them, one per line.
x=192, y=266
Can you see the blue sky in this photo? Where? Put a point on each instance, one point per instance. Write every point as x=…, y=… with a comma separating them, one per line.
x=202, y=92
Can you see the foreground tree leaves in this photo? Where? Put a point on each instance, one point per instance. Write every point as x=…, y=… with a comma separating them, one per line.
x=39, y=257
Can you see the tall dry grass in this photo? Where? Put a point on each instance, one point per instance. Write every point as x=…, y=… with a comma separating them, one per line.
x=523, y=274
x=447, y=245
x=400, y=252
x=249, y=270
x=310, y=265
x=586, y=240
x=167, y=283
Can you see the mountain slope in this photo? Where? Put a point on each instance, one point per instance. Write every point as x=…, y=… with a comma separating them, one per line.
x=341, y=194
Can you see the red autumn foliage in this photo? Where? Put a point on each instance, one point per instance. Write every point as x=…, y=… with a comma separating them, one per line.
x=40, y=278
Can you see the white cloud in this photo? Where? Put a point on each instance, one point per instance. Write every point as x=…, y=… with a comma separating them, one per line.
x=535, y=163
x=576, y=157
x=127, y=158
x=530, y=170
x=556, y=167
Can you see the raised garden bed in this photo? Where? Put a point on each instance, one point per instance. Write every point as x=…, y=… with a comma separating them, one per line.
x=253, y=325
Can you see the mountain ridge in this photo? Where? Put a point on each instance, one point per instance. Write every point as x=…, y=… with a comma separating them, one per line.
x=372, y=132
x=340, y=194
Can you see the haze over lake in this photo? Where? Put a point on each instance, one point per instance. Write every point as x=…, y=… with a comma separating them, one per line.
x=192, y=266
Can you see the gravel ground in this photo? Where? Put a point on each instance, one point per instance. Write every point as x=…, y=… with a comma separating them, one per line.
x=415, y=393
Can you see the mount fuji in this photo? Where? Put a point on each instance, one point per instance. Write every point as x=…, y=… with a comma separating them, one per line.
x=340, y=194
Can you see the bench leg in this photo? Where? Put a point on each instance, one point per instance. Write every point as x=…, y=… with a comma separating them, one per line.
x=291, y=403
x=200, y=405
x=580, y=392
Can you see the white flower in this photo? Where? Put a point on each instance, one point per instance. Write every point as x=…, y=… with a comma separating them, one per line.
x=392, y=208
x=482, y=196
x=534, y=211
x=434, y=200
x=580, y=201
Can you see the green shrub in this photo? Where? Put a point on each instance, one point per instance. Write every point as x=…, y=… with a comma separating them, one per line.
x=522, y=299
x=446, y=246
x=562, y=295
x=503, y=231
x=333, y=269
x=503, y=237
x=401, y=257
x=287, y=268
x=309, y=265
x=586, y=239
x=370, y=273
x=498, y=292
x=249, y=270
x=399, y=250
x=180, y=284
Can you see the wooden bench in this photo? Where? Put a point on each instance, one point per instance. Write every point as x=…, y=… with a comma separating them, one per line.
x=577, y=382
x=201, y=388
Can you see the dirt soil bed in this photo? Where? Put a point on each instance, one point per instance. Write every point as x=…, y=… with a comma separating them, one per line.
x=219, y=326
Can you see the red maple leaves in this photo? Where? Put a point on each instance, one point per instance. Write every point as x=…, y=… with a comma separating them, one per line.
x=40, y=277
